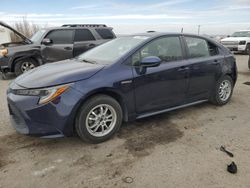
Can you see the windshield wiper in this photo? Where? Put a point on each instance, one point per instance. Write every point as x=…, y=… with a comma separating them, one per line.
x=88, y=61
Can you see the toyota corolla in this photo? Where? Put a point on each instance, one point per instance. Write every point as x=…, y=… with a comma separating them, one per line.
x=128, y=78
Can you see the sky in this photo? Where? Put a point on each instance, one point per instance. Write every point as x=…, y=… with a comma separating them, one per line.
x=221, y=17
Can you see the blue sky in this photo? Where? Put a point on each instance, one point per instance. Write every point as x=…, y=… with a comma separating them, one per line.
x=214, y=16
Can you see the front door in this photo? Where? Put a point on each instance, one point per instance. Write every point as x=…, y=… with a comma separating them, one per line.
x=61, y=47
x=161, y=87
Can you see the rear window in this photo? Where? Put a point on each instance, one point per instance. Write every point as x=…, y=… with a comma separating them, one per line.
x=83, y=35
x=105, y=33
x=213, y=49
x=61, y=36
x=197, y=47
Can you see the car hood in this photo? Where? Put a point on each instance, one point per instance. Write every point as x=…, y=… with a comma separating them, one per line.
x=25, y=39
x=233, y=39
x=61, y=72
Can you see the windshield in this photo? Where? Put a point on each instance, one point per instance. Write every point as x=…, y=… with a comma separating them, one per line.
x=111, y=51
x=37, y=36
x=241, y=34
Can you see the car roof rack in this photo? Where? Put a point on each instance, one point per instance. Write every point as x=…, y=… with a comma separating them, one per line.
x=84, y=25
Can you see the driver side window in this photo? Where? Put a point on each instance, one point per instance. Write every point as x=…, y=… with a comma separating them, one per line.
x=61, y=36
x=167, y=49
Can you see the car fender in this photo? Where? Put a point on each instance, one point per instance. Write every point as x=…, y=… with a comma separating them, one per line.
x=34, y=53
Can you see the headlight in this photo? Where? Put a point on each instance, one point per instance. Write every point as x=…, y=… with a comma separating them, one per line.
x=46, y=95
x=242, y=42
x=4, y=52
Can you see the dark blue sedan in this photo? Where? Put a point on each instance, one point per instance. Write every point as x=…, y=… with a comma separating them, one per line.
x=125, y=79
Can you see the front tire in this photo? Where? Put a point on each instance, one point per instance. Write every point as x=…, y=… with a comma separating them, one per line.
x=98, y=119
x=223, y=91
x=3, y=76
x=24, y=65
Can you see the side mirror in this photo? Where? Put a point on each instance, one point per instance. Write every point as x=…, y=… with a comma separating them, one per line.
x=151, y=61
x=47, y=41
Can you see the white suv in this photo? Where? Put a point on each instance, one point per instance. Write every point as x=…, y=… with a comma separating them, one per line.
x=239, y=41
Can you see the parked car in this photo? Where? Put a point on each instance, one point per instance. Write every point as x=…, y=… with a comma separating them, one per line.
x=239, y=41
x=50, y=45
x=124, y=79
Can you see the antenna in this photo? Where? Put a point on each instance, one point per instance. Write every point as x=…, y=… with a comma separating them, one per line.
x=199, y=27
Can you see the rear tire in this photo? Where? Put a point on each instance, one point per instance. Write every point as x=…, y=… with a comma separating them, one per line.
x=247, y=51
x=24, y=65
x=249, y=62
x=98, y=119
x=223, y=91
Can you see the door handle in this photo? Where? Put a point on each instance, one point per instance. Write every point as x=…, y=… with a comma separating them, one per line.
x=91, y=45
x=67, y=48
x=183, y=69
x=215, y=62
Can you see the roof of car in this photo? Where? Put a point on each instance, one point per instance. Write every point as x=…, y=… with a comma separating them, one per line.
x=156, y=34
x=78, y=26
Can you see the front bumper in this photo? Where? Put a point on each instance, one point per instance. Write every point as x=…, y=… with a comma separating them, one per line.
x=4, y=64
x=236, y=48
x=55, y=118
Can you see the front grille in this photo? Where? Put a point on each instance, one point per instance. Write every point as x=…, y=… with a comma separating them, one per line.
x=17, y=120
x=229, y=43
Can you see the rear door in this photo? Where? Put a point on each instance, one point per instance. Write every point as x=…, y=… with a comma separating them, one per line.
x=83, y=41
x=61, y=47
x=204, y=65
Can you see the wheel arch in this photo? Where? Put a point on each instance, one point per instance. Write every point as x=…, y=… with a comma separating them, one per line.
x=70, y=128
x=111, y=93
x=35, y=56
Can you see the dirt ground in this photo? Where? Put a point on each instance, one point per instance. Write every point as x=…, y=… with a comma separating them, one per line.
x=176, y=149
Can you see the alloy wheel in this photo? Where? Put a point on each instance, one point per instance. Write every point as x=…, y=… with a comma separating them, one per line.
x=26, y=66
x=101, y=120
x=225, y=90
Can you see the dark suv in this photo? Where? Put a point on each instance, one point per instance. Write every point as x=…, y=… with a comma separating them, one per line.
x=51, y=44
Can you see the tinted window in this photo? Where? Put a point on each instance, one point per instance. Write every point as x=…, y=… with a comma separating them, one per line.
x=167, y=48
x=197, y=47
x=83, y=35
x=105, y=33
x=61, y=36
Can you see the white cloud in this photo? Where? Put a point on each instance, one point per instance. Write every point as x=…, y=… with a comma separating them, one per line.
x=160, y=15
x=211, y=29
x=87, y=7
x=61, y=17
x=130, y=6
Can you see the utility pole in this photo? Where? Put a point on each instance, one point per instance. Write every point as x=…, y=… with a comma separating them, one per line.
x=199, y=27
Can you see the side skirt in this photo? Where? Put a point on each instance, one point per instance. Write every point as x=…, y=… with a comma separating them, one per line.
x=170, y=109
